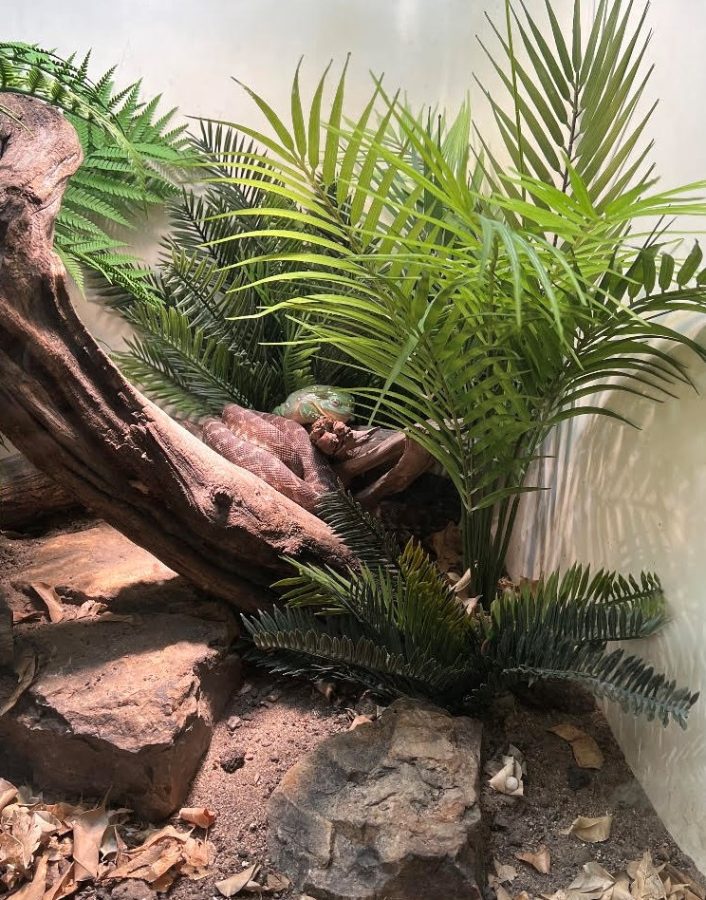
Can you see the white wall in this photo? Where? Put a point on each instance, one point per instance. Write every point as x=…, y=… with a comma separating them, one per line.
x=629, y=500
x=633, y=499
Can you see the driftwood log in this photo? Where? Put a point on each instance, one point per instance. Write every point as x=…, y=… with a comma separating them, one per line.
x=27, y=495
x=68, y=409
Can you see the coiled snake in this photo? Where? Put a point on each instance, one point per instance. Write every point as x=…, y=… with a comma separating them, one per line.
x=276, y=447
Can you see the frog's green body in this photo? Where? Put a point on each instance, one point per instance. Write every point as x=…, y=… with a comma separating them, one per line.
x=309, y=404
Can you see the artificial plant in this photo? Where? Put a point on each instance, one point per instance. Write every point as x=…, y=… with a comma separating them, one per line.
x=492, y=288
x=132, y=153
x=394, y=624
x=194, y=347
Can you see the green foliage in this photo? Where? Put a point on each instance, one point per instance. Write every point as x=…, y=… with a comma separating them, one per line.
x=131, y=153
x=399, y=629
x=488, y=300
x=196, y=346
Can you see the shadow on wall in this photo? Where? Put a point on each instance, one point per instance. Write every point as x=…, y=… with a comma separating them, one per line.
x=633, y=499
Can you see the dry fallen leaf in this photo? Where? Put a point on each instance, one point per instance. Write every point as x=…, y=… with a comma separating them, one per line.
x=621, y=888
x=592, y=882
x=504, y=873
x=25, y=669
x=358, y=721
x=541, y=860
x=201, y=816
x=89, y=828
x=8, y=792
x=679, y=877
x=501, y=893
x=233, y=885
x=64, y=886
x=49, y=597
x=277, y=882
x=34, y=890
x=198, y=856
x=586, y=751
x=593, y=831
x=647, y=884
x=567, y=731
x=447, y=547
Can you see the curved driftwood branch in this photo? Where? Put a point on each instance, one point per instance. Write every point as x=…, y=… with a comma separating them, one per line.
x=69, y=410
x=27, y=495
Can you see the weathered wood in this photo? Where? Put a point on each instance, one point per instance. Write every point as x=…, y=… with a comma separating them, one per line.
x=28, y=495
x=69, y=410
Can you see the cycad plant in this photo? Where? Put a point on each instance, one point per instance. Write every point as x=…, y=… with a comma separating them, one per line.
x=492, y=286
x=395, y=625
x=195, y=347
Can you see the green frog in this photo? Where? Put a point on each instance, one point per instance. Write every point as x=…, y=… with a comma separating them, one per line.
x=309, y=404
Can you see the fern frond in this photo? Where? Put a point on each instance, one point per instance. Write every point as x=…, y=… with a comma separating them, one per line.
x=130, y=162
x=179, y=364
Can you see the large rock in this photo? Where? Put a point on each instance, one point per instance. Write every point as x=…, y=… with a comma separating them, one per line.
x=125, y=707
x=389, y=810
x=123, y=702
x=95, y=562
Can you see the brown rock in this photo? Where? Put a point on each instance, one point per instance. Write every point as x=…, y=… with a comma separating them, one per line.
x=388, y=810
x=122, y=706
x=96, y=562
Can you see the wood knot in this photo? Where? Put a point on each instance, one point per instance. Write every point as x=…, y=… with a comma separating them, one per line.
x=222, y=501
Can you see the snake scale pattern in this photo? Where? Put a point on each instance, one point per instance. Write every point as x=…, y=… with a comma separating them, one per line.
x=277, y=447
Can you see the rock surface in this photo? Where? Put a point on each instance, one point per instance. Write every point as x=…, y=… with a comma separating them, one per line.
x=389, y=810
x=126, y=701
x=95, y=562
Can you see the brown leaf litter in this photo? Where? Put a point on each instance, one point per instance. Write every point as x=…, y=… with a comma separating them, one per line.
x=48, y=851
x=591, y=830
x=641, y=880
x=587, y=753
x=540, y=860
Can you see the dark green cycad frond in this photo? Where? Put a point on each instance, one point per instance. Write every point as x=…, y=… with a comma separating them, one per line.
x=362, y=532
x=401, y=618
x=402, y=631
x=296, y=642
x=581, y=606
x=627, y=680
x=559, y=629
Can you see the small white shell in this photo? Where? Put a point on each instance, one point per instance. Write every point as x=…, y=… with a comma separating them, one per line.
x=511, y=783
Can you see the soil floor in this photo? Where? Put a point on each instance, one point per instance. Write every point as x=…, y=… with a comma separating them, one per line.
x=271, y=723
x=557, y=792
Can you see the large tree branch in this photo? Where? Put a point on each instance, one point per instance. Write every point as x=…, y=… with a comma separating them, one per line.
x=69, y=410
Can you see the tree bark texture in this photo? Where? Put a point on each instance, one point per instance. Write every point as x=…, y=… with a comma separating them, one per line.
x=28, y=495
x=68, y=409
